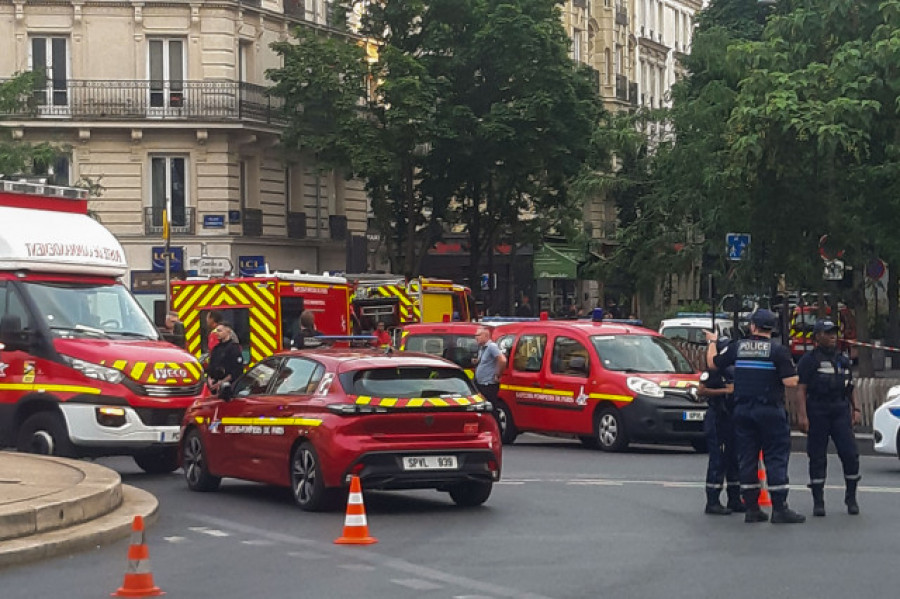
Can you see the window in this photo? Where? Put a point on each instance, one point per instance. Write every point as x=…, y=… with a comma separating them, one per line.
x=256, y=380
x=530, y=353
x=57, y=171
x=11, y=304
x=569, y=358
x=166, y=73
x=576, y=45
x=459, y=349
x=298, y=377
x=609, y=65
x=168, y=189
x=407, y=382
x=49, y=59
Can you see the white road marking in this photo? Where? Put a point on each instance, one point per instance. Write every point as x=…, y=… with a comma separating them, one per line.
x=174, y=539
x=417, y=584
x=258, y=542
x=208, y=531
x=357, y=567
x=685, y=484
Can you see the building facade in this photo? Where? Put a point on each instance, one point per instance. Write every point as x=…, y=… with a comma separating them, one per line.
x=163, y=103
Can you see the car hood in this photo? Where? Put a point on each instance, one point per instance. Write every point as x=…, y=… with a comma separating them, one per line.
x=143, y=361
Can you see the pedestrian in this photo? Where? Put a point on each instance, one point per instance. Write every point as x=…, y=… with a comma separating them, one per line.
x=827, y=407
x=213, y=320
x=718, y=388
x=226, y=360
x=762, y=370
x=173, y=329
x=303, y=338
x=489, y=362
x=382, y=336
x=524, y=309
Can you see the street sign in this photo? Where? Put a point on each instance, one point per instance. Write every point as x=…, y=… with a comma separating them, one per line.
x=834, y=270
x=738, y=245
x=158, y=258
x=209, y=266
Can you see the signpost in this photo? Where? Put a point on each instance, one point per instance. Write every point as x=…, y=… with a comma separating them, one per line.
x=210, y=266
x=738, y=245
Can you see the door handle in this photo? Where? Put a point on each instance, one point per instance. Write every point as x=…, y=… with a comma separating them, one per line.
x=548, y=386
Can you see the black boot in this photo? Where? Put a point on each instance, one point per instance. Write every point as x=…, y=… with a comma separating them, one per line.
x=735, y=503
x=850, y=496
x=781, y=513
x=818, y=493
x=751, y=503
x=713, y=506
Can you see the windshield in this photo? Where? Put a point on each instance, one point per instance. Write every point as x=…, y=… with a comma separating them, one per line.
x=407, y=382
x=90, y=310
x=460, y=349
x=640, y=353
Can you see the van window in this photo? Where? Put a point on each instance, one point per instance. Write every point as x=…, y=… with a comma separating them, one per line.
x=569, y=358
x=11, y=305
x=530, y=353
x=459, y=349
x=640, y=353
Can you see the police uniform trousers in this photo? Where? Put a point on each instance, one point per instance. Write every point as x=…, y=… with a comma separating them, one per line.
x=720, y=441
x=761, y=425
x=830, y=419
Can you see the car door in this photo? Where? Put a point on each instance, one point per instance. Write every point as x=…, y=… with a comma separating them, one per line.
x=233, y=430
x=565, y=387
x=522, y=385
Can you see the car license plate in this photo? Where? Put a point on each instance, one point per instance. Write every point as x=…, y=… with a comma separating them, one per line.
x=430, y=462
x=694, y=415
x=167, y=437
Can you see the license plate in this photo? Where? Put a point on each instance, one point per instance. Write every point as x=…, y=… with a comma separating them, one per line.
x=430, y=462
x=167, y=437
x=694, y=415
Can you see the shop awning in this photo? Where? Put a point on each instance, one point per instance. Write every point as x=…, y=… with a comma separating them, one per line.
x=557, y=261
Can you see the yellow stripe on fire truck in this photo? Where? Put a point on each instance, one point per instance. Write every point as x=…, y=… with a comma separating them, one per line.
x=417, y=402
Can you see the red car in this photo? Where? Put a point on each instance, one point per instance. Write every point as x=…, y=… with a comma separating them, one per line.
x=310, y=419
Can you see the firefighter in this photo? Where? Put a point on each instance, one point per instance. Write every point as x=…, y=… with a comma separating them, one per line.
x=717, y=387
x=762, y=370
x=827, y=407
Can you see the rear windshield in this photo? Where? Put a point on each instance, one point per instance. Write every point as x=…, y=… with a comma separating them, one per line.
x=459, y=349
x=640, y=353
x=407, y=382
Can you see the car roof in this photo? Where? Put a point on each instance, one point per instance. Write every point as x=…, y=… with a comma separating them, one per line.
x=340, y=359
x=585, y=326
x=458, y=328
x=694, y=322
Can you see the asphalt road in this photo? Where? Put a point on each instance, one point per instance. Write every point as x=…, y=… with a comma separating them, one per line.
x=566, y=522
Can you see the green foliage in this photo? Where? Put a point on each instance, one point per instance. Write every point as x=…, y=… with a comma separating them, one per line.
x=16, y=156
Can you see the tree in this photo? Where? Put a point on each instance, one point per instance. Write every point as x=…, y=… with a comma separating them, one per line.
x=16, y=156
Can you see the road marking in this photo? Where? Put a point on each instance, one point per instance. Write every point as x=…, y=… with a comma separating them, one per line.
x=417, y=584
x=602, y=483
x=674, y=484
x=175, y=539
x=378, y=560
x=258, y=542
x=208, y=531
x=357, y=567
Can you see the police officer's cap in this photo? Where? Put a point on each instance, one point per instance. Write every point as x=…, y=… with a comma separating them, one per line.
x=824, y=326
x=764, y=319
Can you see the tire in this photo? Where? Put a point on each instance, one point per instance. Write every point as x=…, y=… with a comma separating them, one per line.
x=307, y=482
x=196, y=467
x=45, y=433
x=700, y=445
x=508, y=431
x=470, y=494
x=611, y=432
x=162, y=461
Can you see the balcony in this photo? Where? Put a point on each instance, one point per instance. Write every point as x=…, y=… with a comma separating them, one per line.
x=633, y=93
x=183, y=220
x=123, y=100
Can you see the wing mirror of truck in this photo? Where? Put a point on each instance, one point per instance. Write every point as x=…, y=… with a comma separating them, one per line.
x=11, y=334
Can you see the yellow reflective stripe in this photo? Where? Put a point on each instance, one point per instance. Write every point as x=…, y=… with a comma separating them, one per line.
x=40, y=388
x=470, y=373
x=610, y=396
x=120, y=364
x=194, y=368
x=389, y=402
x=438, y=402
x=415, y=403
x=363, y=400
x=259, y=302
x=273, y=421
x=560, y=392
x=138, y=370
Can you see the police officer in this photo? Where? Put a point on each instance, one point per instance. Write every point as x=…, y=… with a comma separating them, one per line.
x=717, y=387
x=827, y=407
x=762, y=370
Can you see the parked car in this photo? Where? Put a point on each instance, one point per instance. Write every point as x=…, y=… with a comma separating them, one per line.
x=691, y=327
x=886, y=423
x=606, y=383
x=311, y=419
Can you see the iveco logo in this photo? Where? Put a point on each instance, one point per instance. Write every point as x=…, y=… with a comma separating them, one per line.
x=170, y=373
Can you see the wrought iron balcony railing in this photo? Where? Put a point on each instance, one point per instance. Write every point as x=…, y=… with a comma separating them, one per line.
x=80, y=99
x=183, y=220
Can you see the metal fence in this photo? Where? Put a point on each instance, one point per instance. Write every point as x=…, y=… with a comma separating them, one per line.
x=870, y=392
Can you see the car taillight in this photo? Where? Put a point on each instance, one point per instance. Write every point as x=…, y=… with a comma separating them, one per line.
x=470, y=428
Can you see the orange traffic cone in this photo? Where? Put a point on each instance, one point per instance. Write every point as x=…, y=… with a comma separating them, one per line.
x=764, y=499
x=138, y=579
x=356, y=530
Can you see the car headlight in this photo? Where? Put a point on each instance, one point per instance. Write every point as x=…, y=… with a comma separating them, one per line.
x=643, y=386
x=95, y=371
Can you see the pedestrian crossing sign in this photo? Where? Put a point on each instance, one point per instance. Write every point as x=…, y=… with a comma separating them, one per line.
x=737, y=245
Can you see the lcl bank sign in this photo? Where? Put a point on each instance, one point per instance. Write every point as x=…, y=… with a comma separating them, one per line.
x=251, y=265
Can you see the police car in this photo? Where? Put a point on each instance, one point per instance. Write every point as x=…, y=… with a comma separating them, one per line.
x=886, y=423
x=691, y=327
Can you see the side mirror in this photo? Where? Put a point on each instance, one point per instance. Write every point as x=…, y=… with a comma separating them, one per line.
x=11, y=334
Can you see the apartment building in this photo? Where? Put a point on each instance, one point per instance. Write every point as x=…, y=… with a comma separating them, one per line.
x=164, y=103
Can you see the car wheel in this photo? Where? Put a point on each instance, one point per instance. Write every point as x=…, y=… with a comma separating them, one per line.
x=470, y=494
x=700, y=445
x=196, y=467
x=307, y=482
x=45, y=433
x=611, y=433
x=508, y=432
x=162, y=461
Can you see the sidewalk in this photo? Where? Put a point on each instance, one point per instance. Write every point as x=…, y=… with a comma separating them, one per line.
x=53, y=506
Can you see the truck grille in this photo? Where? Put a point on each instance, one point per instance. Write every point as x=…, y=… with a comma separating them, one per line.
x=171, y=390
x=160, y=417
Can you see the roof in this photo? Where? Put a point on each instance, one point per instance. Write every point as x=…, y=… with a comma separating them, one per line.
x=459, y=328
x=585, y=326
x=348, y=359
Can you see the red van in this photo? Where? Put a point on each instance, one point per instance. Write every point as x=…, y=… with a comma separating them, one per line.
x=454, y=341
x=83, y=371
x=607, y=383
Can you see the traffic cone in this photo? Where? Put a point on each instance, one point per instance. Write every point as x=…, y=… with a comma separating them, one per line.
x=138, y=579
x=764, y=499
x=356, y=530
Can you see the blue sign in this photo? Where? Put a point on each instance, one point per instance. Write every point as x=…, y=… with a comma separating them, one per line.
x=234, y=217
x=737, y=245
x=158, y=258
x=251, y=265
x=485, y=281
x=213, y=221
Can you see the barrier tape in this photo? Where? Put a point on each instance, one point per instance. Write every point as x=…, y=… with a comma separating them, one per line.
x=872, y=345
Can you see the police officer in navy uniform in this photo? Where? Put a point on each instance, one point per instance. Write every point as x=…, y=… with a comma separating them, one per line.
x=717, y=387
x=827, y=407
x=762, y=369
